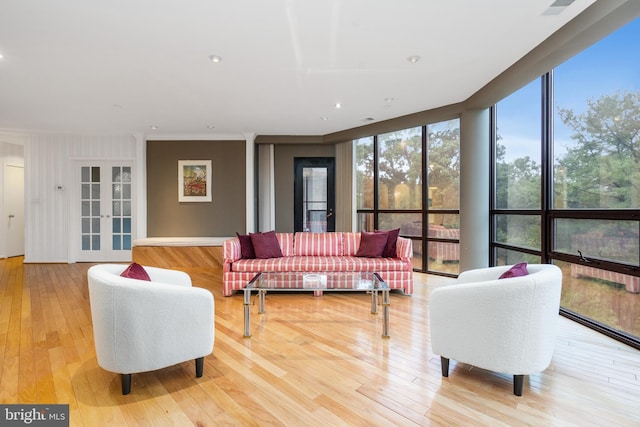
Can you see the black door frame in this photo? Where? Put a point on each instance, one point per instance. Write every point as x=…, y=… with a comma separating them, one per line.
x=299, y=163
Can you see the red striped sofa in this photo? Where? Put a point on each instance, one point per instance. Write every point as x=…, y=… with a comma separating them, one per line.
x=309, y=252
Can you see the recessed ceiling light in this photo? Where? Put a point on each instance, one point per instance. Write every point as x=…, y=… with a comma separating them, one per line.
x=388, y=99
x=324, y=119
x=1, y=56
x=215, y=58
x=413, y=59
x=338, y=105
x=368, y=119
x=211, y=127
x=153, y=127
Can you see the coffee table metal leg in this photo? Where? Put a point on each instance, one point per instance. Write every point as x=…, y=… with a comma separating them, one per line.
x=374, y=302
x=261, y=293
x=385, y=309
x=247, y=313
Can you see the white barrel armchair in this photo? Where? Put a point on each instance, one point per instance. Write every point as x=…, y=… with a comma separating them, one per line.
x=141, y=326
x=502, y=325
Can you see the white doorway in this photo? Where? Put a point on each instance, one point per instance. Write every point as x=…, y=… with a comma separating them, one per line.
x=14, y=209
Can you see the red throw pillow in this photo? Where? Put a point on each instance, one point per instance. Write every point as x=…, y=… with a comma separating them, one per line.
x=246, y=247
x=371, y=244
x=266, y=245
x=517, y=270
x=390, y=249
x=136, y=271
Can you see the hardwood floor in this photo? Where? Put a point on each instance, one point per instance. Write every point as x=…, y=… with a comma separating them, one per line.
x=311, y=361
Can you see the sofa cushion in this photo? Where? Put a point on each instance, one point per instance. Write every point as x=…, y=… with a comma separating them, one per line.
x=318, y=244
x=136, y=271
x=390, y=249
x=246, y=247
x=266, y=245
x=319, y=263
x=371, y=244
x=517, y=270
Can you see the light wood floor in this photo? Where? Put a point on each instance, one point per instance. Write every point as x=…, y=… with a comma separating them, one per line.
x=312, y=361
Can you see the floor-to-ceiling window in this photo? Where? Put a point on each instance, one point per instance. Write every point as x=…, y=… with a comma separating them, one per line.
x=517, y=199
x=567, y=178
x=409, y=179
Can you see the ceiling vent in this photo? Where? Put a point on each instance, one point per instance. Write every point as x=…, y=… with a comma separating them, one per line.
x=557, y=7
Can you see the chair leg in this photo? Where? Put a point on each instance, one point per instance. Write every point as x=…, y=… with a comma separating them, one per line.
x=518, y=382
x=126, y=383
x=199, y=366
x=444, y=363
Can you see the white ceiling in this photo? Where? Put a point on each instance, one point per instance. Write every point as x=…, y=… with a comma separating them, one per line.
x=121, y=66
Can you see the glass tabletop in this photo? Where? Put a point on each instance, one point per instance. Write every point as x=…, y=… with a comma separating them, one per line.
x=299, y=281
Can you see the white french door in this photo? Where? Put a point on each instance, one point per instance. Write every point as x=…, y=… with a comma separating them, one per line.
x=106, y=211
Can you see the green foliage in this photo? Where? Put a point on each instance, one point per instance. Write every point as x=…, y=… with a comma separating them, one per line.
x=444, y=164
x=400, y=162
x=400, y=167
x=602, y=168
x=517, y=182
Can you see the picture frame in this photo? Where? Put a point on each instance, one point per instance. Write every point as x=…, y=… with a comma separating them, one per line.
x=194, y=181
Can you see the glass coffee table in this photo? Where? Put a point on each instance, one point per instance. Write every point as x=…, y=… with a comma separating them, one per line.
x=343, y=281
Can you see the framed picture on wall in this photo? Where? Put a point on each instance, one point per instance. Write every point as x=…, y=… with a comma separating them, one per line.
x=194, y=180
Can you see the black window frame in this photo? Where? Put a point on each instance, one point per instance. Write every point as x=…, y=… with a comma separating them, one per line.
x=548, y=215
x=425, y=211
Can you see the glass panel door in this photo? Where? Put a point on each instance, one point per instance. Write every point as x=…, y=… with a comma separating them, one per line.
x=314, y=199
x=90, y=209
x=314, y=191
x=106, y=217
x=121, y=208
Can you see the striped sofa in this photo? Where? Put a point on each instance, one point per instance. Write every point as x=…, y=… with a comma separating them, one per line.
x=309, y=252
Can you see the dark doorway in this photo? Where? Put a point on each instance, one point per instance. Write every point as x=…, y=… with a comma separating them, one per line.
x=314, y=194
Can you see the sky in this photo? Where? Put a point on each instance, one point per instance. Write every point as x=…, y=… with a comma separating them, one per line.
x=610, y=65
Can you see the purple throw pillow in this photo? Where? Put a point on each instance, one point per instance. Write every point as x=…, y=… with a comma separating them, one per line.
x=135, y=271
x=517, y=270
x=371, y=244
x=266, y=245
x=246, y=247
x=390, y=249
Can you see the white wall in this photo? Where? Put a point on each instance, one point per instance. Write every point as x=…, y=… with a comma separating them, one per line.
x=51, y=161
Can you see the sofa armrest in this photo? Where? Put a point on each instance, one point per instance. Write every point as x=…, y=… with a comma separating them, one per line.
x=404, y=248
x=231, y=252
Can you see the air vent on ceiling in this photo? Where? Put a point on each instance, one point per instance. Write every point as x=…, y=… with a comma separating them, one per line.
x=557, y=7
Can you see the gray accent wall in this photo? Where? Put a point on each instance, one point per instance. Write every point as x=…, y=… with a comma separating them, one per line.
x=223, y=216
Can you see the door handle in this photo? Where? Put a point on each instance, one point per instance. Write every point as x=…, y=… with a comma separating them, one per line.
x=12, y=216
x=330, y=213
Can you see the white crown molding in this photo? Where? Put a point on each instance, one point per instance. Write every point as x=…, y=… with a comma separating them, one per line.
x=195, y=137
